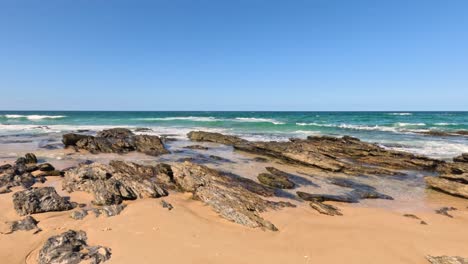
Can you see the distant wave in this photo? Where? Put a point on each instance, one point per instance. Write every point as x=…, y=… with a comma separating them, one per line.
x=446, y=124
x=187, y=118
x=409, y=124
x=401, y=114
x=34, y=117
x=212, y=119
x=259, y=120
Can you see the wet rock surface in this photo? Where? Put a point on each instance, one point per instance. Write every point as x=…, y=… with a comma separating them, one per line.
x=116, y=140
x=347, y=154
x=40, y=200
x=226, y=195
x=113, y=183
x=276, y=179
x=71, y=247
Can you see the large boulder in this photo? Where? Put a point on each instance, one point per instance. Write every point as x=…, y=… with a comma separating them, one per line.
x=40, y=200
x=226, y=194
x=116, y=140
x=111, y=184
x=71, y=248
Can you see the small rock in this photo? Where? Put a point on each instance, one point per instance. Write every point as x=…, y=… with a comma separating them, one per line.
x=445, y=210
x=45, y=167
x=25, y=224
x=325, y=208
x=166, y=205
x=411, y=216
x=71, y=247
x=113, y=210
x=276, y=181
x=447, y=260
x=79, y=214
x=423, y=223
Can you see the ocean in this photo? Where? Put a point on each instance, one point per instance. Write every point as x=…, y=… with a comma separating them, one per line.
x=395, y=130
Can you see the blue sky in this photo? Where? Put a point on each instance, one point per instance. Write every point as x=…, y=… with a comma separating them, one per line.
x=233, y=55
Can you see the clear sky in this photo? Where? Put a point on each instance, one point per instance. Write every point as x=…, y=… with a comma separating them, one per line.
x=233, y=55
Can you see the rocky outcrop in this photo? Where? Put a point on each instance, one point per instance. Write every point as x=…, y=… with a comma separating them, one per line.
x=447, y=185
x=40, y=200
x=25, y=224
x=227, y=195
x=276, y=179
x=116, y=140
x=346, y=155
x=462, y=158
x=447, y=260
x=215, y=137
x=71, y=247
x=113, y=183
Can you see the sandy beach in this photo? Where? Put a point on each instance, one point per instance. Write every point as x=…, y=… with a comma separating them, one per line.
x=371, y=231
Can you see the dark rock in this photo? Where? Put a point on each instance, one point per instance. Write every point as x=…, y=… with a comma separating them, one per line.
x=166, y=205
x=412, y=216
x=260, y=159
x=30, y=158
x=71, y=247
x=5, y=167
x=275, y=181
x=218, y=158
x=327, y=197
x=79, y=214
x=447, y=260
x=10, y=179
x=423, y=223
x=200, y=147
x=117, y=140
x=71, y=139
x=325, y=208
x=112, y=210
x=45, y=167
x=40, y=200
x=25, y=224
x=5, y=189
x=226, y=195
x=111, y=184
x=445, y=210
x=462, y=158
x=143, y=129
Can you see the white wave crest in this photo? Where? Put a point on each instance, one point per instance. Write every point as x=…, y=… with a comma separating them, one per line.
x=34, y=117
x=401, y=114
x=446, y=124
x=400, y=124
x=259, y=120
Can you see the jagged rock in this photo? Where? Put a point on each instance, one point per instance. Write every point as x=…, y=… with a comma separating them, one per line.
x=79, y=214
x=112, y=210
x=71, y=247
x=447, y=186
x=25, y=224
x=166, y=205
x=275, y=181
x=40, y=200
x=214, y=137
x=445, y=210
x=29, y=158
x=325, y=208
x=347, y=154
x=113, y=183
x=199, y=147
x=71, y=139
x=10, y=179
x=462, y=158
x=117, y=140
x=447, y=260
x=226, y=195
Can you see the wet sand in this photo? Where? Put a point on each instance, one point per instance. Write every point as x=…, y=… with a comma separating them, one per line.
x=373, y=231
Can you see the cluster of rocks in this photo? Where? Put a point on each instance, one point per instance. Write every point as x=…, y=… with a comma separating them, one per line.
x=350, y=156
x=116, y=140
x=25, y=172
x=453, y=178
x=346, y=155
x=72, y=247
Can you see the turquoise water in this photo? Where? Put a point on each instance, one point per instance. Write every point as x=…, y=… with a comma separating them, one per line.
x=398, y=130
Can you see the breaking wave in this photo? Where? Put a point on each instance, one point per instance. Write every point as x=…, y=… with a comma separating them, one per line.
x=34, y=117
